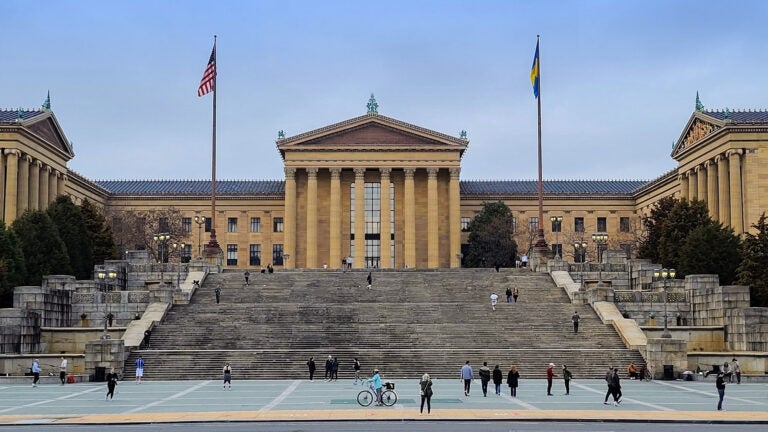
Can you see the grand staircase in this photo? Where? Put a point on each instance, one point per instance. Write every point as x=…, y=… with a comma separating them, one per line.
x=411, y=322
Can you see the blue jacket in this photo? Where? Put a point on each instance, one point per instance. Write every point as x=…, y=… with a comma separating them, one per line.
x=466, y=372
x=376, y=379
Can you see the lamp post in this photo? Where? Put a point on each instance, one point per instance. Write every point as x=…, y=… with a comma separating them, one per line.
x=180, y=248
x=162, y=246
x=557, y=221
x=200, y=221
x=601, y=239
x=581, y=249
x=285, y=259
x=665, y=275
x=106, y=279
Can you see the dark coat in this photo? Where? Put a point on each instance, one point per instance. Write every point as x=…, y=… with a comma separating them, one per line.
x=512, y=378
x=498, y=377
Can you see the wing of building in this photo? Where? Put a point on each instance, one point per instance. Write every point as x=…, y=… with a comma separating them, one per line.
x=388, y=193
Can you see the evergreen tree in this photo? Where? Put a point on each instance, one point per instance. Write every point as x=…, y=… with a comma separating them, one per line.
x=682, y=219
x=44, y=251
x=12, y=271
x=710, y=249
x=654, y=225
x=490, y=238
x=99, y=233
x=753, y=270
x=72, y=231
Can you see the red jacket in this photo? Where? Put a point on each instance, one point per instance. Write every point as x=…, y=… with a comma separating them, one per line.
x=550, y=373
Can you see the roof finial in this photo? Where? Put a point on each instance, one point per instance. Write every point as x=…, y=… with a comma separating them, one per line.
x=373, y=107
x=19, y=115
x=281, y=134
x=463, y=134
x=699, y=105
x=47, y=103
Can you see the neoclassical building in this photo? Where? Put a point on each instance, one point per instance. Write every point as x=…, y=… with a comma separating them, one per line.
x=388, y=193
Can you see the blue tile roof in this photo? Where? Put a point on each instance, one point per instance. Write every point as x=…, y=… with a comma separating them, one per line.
x=551, y=187
x=740, y=117
x=193, y=187
x=9, y=116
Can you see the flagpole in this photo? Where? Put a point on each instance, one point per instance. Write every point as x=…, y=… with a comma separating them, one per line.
x=541, y=242
x=213, y=248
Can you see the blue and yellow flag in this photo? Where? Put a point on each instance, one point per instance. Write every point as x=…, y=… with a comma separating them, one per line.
x=535, y=72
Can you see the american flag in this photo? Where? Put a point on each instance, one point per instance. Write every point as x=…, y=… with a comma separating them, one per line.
x=209, y=76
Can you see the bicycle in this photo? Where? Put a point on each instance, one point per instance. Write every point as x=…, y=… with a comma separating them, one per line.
x=388, y=395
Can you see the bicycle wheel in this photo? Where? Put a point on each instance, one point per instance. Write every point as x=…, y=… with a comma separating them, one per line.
x=364, y=398
x=388, y=398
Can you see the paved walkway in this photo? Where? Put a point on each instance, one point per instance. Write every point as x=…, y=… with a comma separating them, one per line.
x=193, y=401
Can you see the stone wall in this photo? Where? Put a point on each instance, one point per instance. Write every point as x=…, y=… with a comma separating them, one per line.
x=51, y=304
x=125, y=306
x=661, y=352
x=73, y=340
x=105, y=353
x=19, y=331
x=697, y=338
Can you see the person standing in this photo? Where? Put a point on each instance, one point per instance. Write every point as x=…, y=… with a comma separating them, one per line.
x=494, y=300
x=63, y=370
x=576, y=318
x=515, y=294
x=509, y=295
x=349, y=262
x=550, y=377
x=328, y=368
x=736, y=370
x=720, y=385
x=311, y=366
x=466, y=376
x=217, y=291
x=485, y=377
x=227, y=371
x=139, y=369
x=513, y=378
x=524, y=259
x=376, y=380
x=370, y=280
x=356, y=367
x=497, y=379
x=426, y=393
x=147, y=336
x=111, y=384
x=35, y=372
x=567, y=375
x=247, y=275
x=335, y=369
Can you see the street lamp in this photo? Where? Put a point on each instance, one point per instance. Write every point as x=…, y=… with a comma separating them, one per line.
x=180, y=248
x=601, y=239
x=200, y=221
x=162, y=244
x=106, y=279
x=665, y=275
x=557, y=221
x=581, y=249
x=285, y=259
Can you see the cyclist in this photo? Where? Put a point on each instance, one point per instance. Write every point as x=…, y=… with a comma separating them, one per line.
x=376, y=380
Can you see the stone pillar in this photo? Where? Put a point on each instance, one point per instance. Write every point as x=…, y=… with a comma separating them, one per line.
x=289, y=226
x=693, y=190
x=386, y=234
x=701, y=183
x=734, y=170
x=2, y=182
x=454, y=217
x=45, y=172
x=410, y=218
x=34, y=185
x=711, y=188
x=23, y=197
x=723, y=191
x=335, y=241
x=433, y=240
x=683, y=179
x=311, y=218
x=359, y=218
x=52, y=187
x=11, y=192
x=62, y=181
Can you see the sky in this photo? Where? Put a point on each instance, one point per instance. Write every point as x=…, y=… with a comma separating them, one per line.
x=618, y=78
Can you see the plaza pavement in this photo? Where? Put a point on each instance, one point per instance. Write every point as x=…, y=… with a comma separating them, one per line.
x=302, y=400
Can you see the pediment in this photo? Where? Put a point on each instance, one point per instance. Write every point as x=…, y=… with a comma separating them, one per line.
x=47, y=128
x=371, y=135
x=699, y=127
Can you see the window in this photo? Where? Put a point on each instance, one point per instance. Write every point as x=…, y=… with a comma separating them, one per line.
x=602, y=225
x=557, y=249
x=254, y=254
x=277, y=226
x=207, y=224
x=186, y=253
x=624, y=225
x=579, y=254
x=186, y=225
x=277, y=253
x=533, y=224
x=231, y=254
x=232, y=224
x=162, y=224
x=465, y=221
x=255, y=224
x=557, y=226
x=578, y=224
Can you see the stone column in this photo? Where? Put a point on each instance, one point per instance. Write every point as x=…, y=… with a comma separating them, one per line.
x=11, y=192
x=454, y=217
x=62, y=181
x=34, y=185
x=433, y=241
x=410, y=218
x=683, y=179
x=53, y=191
x=2, y=181
x=311, y=218
x=23, y=197
x=289, y=224
x=701, y=183
x=45, y=172
x=386, y=234
x=711, y=188
x=359, y=218
x=335, y=241
x=693, y=190
x=723, y=192
x=734, y=170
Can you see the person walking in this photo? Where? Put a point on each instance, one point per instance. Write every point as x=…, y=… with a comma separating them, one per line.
x=426, y=393
x=515, y=294
x=466, y=376
x=35, y=372
x=139, y=369
x=550, y=377
x=356, y=367
x=63, y=370
x=247, y=275
x=513, y=378
x=509, y=295
x=335, y=369
x=736, y=370
x=485, y=377
x=494, y=300
x=111, y=384
x=576, y=318
x=311, y=366
x=369, y=279
x=217, y=291
x=147, y=336
x=567, y=376
x=227, y=371
x=376, y=380
x=497, y=379
x=720, y=385
x=328, y=368
x=616, y=387
x=608, y=380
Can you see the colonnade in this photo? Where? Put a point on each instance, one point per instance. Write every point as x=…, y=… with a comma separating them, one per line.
x=719, y=183
x=410, y=212
x=27, y=184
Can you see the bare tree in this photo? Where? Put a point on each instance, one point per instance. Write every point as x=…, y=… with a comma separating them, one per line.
x=135, y=229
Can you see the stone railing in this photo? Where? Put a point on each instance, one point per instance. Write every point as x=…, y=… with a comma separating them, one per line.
x=625, y=296
x=588, y=267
